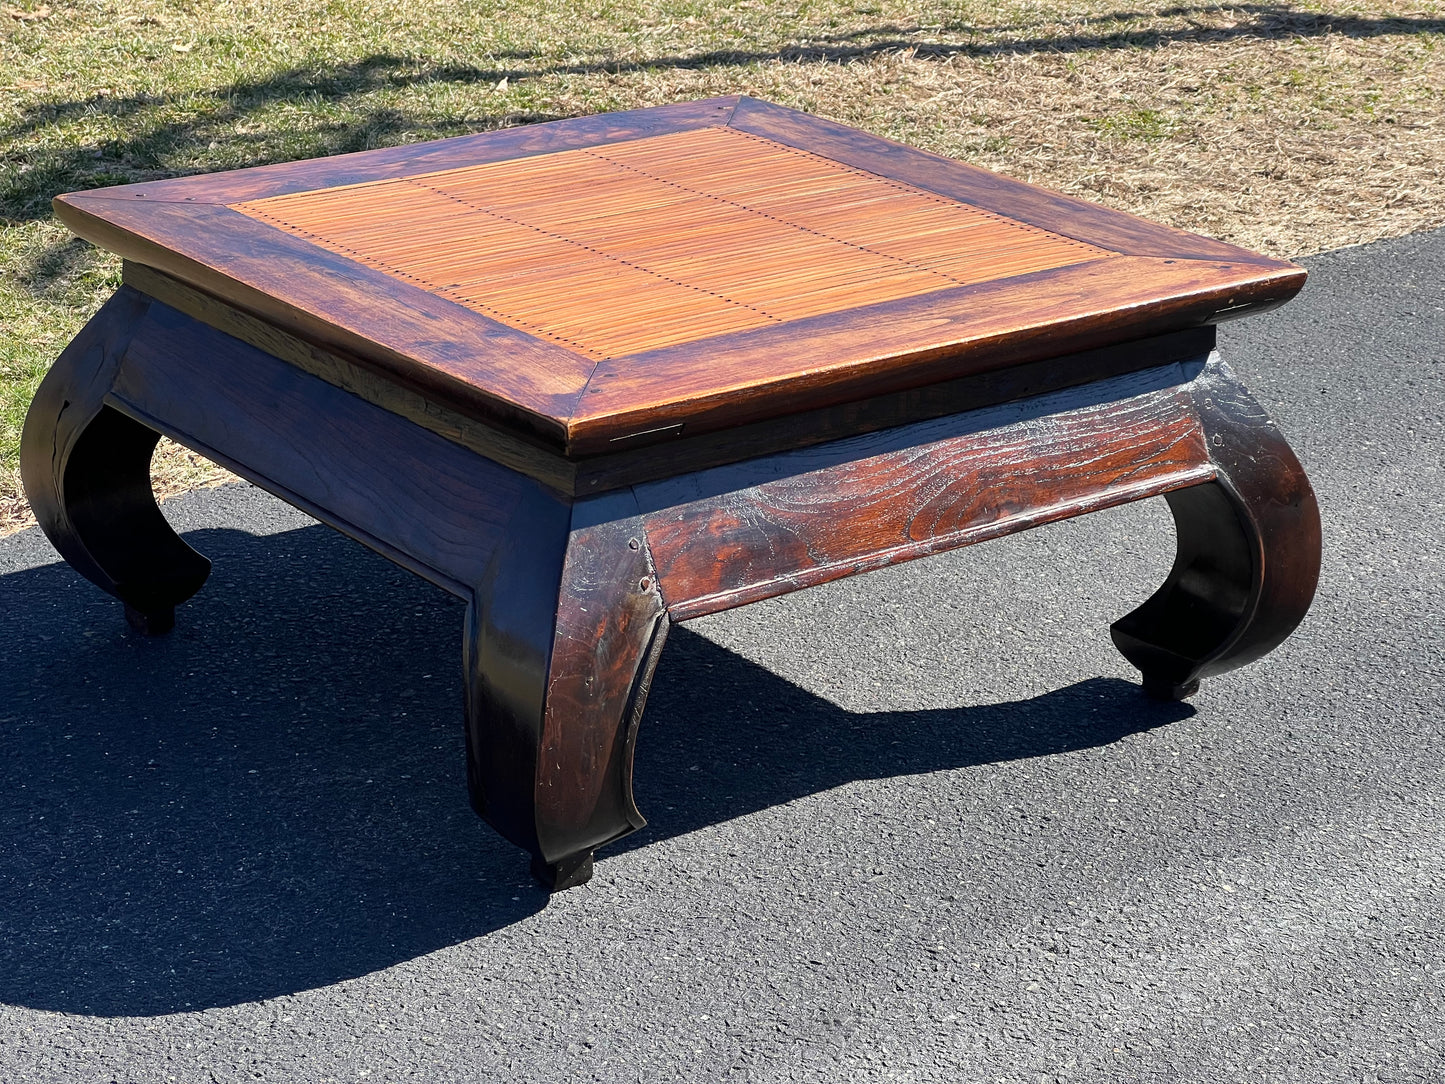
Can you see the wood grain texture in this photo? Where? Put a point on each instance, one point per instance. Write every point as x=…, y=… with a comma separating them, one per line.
x=781, y=218
x=562, y=639
x=423, y=501
x=384, y=163
x=86, y=471
x=616, y=469
x=1084, y=221
x=452, y=355
x=610, y=629
x=565, y=620
x=1248, y=555
x=635, y=246
x=853, y=356
x=506, y=652
x=350, y=375
x=745, y=532
x=684, y=454
x=569, y=600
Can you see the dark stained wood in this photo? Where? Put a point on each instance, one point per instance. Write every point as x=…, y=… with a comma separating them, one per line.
x=1053, y=211
x=580, y=508
x=421, y=500
x=506, y=651
x=603, y=473
x=684, y=453
x=569, y=601
x=562, y=639
x=774, y=372
x=563, y=604
x=609, y=634
x=347, y=373
x=1248, y=552
x=86, y=471
x=259, y=182
x=748, y=531
x=565, y=621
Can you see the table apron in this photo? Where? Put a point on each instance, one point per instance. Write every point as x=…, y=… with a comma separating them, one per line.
x=428, y=504
x=717, y=538
x=815, y=515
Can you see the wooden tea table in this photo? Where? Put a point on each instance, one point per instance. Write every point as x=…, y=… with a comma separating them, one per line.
x=600, y=375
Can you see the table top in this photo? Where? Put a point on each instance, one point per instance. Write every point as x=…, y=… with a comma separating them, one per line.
x=598, y=282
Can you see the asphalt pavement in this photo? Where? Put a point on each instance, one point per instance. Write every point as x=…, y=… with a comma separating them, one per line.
x=918, y=825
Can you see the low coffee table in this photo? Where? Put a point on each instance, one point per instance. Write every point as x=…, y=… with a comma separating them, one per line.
x=604, y=374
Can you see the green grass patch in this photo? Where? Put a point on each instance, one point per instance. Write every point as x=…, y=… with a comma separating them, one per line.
x=1149, y=124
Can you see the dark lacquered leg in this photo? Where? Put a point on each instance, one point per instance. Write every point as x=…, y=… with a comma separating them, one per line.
x=86, y=469
x=1248, y=552
x=561, y=642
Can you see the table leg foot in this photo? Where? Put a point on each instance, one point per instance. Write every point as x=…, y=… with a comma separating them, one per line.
x=569, y=873
x=1248, y=552
x=1168, y=691
x=86, y=470
x=561, y=643
x=151, y=622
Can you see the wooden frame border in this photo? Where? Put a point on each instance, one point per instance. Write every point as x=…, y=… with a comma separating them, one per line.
x=389, y=163
x=965, y=331
x=646, y=462
x=1164, y=280
x=456, y=356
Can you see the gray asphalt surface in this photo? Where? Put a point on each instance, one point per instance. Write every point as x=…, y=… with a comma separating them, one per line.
x=918, y=825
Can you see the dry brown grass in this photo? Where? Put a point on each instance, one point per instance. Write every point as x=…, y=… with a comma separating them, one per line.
x=1232, y=126
x=1288, y=128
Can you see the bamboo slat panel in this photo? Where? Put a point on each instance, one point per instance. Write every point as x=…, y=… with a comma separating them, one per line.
x=629, y=247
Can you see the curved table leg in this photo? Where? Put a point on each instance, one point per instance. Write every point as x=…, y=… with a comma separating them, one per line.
x=560, y=646
x=1248, y=552
x=86, y=470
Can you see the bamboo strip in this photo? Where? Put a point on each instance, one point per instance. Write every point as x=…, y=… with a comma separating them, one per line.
x=667, y=239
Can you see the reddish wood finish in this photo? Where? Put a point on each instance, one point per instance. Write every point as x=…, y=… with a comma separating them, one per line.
x=1048, y=210
x=454, y=356
x=634, y=247
x=742, y=533
x=830, y=333
x=384, y=163
x=565, y=621
x=705, y=387
x=581, y=499
x=1248, y=551
x=624, y=462
x=346, y=372
x=563, y=636
x=569, y=600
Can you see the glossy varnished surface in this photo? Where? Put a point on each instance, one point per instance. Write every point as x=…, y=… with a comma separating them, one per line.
x=86, y=469
x=625, y=464
x=569, y=597
x=744, y=532
x=623, y=280
x=602, y=375
x=664, y=240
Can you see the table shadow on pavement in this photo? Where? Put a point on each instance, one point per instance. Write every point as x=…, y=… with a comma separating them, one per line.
x=272, y=799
